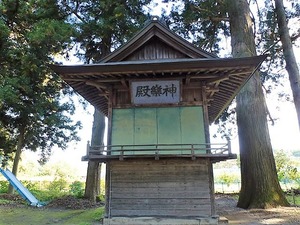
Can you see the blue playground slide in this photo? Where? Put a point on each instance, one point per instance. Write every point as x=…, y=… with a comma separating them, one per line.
x=23, y=191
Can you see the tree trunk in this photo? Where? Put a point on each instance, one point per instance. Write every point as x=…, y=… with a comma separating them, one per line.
x=93, y=177
x=17, y=157
x=92, y=185
x=260, y=186
x=289, y=56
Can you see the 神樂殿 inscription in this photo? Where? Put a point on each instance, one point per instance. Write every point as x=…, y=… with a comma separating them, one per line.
x=155, y=92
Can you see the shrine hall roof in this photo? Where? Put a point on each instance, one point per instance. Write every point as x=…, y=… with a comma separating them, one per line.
x=226, y=75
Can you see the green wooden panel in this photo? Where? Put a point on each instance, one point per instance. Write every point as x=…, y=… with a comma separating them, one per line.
x=192, y=125
x=123, y=127
x=145, y=132
x=169, y=130
x=150, y=126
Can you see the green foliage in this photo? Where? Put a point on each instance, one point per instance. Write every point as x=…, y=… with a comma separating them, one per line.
x=3, y=186
x=77, y=189
x=4, y=156
x=51, y=35
x=101, y=197
x=227, y=178
x=31, y=110
x=4, y=201
x=104, y=24
x=46, y=191
x=286, y=168
x=293, y=199
x=58, y=185
x=201, y=21
x=47, y=195
x=30, y=185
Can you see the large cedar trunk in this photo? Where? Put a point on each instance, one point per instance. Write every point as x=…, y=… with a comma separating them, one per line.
x=17, y=157
x=260, y=187
x=289, y=56
x=93, y=176
x=92, y=184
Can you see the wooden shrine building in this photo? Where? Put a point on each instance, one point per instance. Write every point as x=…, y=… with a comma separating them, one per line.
x=160, y=93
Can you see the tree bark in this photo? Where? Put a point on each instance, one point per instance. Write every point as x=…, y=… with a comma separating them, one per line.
x=259, y=182
x=17, y=157
x=93, y=177
x=289, y=56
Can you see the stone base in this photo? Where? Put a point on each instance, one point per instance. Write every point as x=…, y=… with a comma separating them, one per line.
x=223, y=220
x=159, y=221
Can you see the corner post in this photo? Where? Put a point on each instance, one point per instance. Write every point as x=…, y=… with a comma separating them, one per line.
x=88, y=148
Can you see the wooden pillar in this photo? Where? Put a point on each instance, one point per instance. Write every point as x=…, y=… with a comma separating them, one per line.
x=207, y=139
x=108, y=168
x=205, y=114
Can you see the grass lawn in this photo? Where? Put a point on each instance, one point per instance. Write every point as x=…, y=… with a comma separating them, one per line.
x=30, y=216
x=16, y=213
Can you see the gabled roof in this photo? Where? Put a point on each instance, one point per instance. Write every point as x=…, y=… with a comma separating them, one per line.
x=223, y=77
x=155, y=28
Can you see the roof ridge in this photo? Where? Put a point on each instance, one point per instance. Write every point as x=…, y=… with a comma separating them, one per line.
x=143, y=36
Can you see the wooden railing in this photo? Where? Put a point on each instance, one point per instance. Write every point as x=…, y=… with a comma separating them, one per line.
x=157, y=151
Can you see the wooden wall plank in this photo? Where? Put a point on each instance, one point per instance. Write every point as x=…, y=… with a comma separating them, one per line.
x=174, y=212
x=169, y=187
x=155, y=49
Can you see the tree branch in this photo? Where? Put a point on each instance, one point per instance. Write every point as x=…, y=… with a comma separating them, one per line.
x=295, y=36
x=267, y=109
x=74, y=11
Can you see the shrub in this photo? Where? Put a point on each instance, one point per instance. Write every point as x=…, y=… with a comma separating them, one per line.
x=30, y=185
x=101, y=197
x=3, y=186
x=47, y=195
x=76, y=189
x=58, y=185
x=228, y=178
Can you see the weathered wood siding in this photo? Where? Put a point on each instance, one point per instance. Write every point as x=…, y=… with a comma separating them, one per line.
x=155, y=49
x=170, y=187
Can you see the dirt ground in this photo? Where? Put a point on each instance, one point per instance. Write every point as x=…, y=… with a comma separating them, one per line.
x=226, y=207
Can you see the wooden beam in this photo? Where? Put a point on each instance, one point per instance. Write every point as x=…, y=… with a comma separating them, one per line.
x=124, y=83
x=218, y=79
x=187, y=80
x=212, y=89
x=96, y=84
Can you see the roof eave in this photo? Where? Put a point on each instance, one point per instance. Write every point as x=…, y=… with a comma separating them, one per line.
x=159, y=65
x=260, y=58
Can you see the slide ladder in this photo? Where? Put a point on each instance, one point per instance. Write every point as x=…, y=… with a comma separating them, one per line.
x=23, y=191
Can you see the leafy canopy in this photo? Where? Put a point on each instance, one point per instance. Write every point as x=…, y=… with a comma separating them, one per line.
x=103, y=25
x=32, y=112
